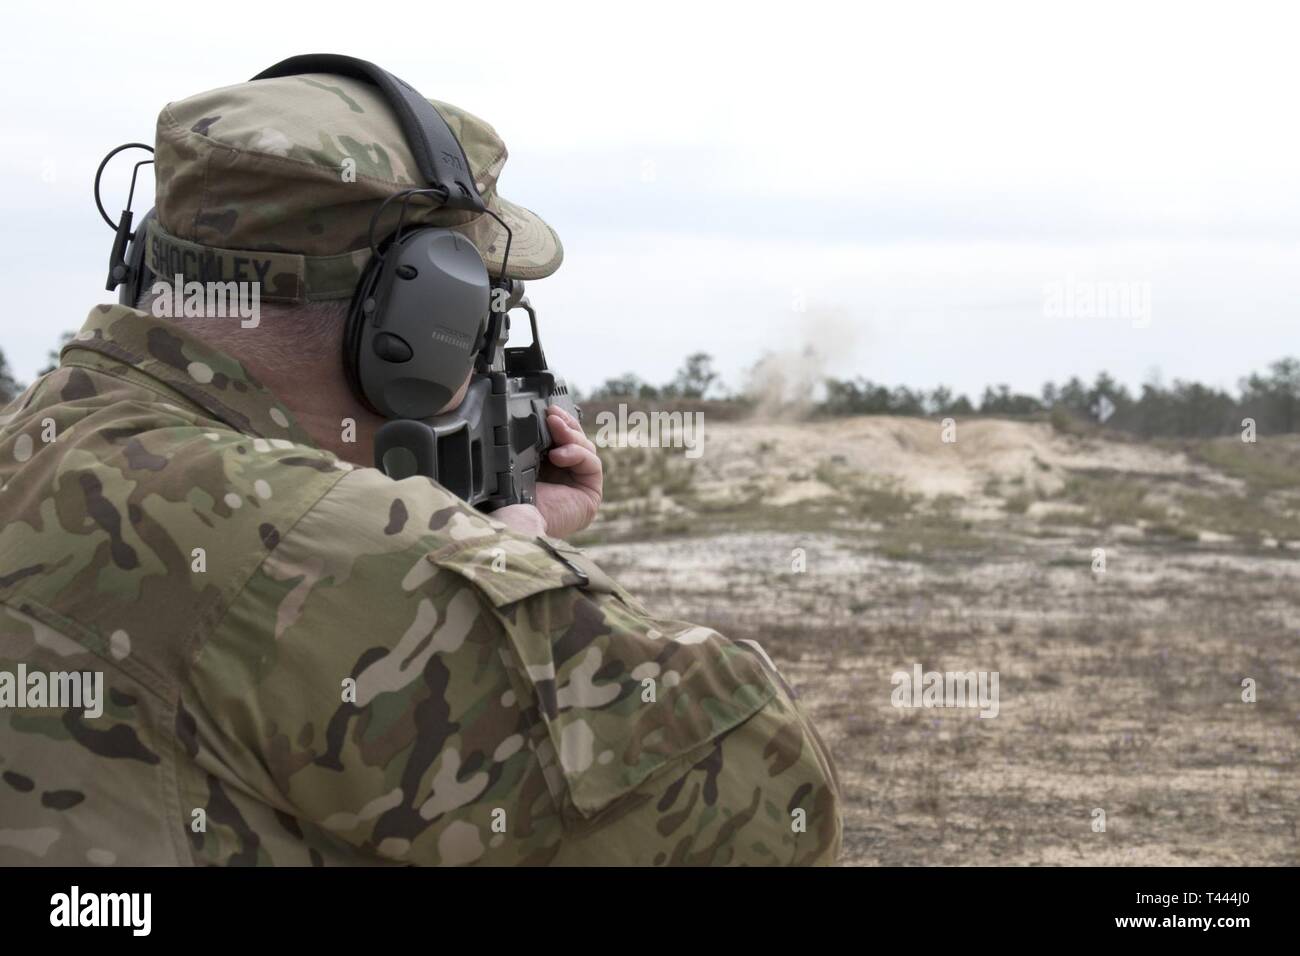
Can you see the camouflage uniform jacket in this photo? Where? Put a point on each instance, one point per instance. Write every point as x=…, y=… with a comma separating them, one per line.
x=308, y=663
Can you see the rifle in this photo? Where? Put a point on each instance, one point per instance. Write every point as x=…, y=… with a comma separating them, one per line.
x=488, y=450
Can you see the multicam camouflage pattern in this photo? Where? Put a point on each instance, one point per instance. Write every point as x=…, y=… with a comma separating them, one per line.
x=308, y=663
x=299, y=164
x=281, y=276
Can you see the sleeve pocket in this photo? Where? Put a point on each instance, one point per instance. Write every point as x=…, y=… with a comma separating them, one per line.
x=622, y=697
x=507, y=570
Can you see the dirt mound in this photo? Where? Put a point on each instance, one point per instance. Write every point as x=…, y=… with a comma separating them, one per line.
x=912, y=453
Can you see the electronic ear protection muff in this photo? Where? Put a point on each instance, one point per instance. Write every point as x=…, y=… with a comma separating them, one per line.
x=424, y=318
x=416, y=323
x=418, y=315
x=126, y=266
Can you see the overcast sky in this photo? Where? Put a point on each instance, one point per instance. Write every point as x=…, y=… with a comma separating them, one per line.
x=902, y=186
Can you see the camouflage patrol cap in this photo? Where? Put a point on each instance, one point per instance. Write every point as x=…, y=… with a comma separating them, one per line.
x=276, y=181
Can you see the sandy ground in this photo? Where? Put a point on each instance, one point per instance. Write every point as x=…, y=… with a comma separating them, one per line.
x=1120, y=691
x=912, y=452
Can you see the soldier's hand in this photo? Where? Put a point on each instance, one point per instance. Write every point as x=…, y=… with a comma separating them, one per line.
x=525, y=519
x=571, y=481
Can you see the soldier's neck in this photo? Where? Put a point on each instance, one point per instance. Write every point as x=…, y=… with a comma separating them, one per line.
x=322, y=404
x=301, y=367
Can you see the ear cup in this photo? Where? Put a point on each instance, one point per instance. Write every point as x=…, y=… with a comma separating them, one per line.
x=352, y=331
x=139, y=278
x=415, y=323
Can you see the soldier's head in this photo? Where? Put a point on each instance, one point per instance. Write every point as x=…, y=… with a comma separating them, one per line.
x=272, y=184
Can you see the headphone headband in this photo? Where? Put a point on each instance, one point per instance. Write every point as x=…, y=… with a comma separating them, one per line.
x=420, y=302
x=438, y=154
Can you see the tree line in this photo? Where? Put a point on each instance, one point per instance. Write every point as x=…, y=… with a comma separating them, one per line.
x=10, y=387
x=1182, y=409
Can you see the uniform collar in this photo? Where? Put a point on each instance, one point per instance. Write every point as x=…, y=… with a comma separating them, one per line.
x=166, y=351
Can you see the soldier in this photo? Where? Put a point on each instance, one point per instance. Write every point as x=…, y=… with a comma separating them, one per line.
x=304, y=661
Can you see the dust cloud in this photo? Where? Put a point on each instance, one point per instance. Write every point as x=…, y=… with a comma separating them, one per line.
x=786, y=383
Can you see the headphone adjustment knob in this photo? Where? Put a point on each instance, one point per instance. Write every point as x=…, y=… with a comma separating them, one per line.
x=392, y=348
